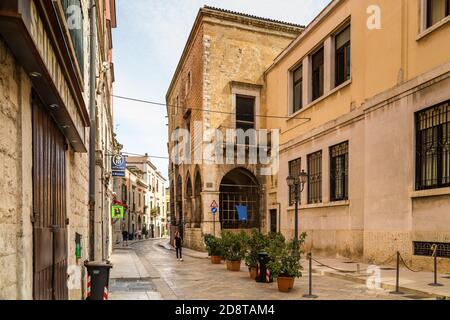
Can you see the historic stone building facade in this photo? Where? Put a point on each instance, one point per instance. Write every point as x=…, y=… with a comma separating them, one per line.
x=44, y=138
x=367, y=91
x=220, y=71
x=155, y=200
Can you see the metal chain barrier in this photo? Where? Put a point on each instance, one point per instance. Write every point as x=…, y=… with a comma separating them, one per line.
x=408, y=267
x=388, y=260
x=336, y=269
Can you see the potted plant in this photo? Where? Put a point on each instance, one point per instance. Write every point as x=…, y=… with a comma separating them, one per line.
x=234, y=246
x=214, y=247
x=257, y=243
x=285, y=263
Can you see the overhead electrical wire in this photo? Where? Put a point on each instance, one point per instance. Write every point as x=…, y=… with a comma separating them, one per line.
x=206, y=110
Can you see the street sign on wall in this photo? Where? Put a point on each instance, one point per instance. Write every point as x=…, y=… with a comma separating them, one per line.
x=214, y=207
x=117, y=212
x=118, y=165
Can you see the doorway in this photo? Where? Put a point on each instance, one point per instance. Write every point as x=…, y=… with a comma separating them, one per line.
x=273, y=221
x=49, y=208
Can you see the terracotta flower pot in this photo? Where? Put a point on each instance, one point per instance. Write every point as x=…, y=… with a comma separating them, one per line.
x=216, y=260
x=285, y=283
x=253, y=271
x=234, y=266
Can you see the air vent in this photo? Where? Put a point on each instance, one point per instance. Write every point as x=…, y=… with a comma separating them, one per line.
x=425, y=249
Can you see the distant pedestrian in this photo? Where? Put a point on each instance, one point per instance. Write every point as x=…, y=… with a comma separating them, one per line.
x=125, y=238
x=178, y=243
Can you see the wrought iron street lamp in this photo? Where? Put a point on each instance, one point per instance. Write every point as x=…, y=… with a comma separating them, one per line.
x=298, y=183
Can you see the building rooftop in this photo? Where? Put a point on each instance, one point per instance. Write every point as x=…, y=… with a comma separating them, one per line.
x=252, y=16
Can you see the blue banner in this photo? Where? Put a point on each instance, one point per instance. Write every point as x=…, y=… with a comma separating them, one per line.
x=118, y=165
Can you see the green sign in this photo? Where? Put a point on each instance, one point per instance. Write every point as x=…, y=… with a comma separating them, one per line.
x=117, y=212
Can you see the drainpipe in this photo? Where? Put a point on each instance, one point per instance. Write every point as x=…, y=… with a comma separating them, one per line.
x=93, y=128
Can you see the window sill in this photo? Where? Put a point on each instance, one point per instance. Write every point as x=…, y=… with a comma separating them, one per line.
x=433, y=28
x=325, y=96
x=430, y=193
x=344, y=203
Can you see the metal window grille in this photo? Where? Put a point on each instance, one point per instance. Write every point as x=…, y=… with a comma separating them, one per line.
x=75, y=28
x=315, y=178
x=339, y=172
x=232, y=196
x=433, y=147
x=425, y=249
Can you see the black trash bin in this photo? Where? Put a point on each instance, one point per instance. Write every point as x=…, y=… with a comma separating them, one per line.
x=264, y=274
x=98, y=279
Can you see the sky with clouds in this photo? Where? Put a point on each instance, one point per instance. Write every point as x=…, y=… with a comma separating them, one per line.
x=148, y=43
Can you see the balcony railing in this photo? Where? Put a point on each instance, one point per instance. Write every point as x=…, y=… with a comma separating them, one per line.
x=251, y=139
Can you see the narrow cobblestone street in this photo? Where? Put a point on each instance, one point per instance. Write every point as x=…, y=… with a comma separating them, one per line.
x=152, y=272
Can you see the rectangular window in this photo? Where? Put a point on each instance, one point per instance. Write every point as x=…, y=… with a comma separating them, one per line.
x=317, y=61
x=436, y=11
x=124, y=193
x=74, y=17
x=339, y=172
x=297, y=76
x=245, y=112
x=433, y=147
x=294, y=171
x=315, y=178
x=342, y=56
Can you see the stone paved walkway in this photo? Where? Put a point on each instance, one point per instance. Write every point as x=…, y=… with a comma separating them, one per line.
x=413, y=283
x=197, y=279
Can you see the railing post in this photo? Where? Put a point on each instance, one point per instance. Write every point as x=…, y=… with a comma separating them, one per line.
x=435, y=283
x=310, y=295
x=397, y=281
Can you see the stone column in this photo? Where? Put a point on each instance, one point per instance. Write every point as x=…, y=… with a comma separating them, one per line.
x=210, y=220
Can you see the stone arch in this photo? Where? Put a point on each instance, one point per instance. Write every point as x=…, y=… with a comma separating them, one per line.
x=198, y=207
x=179, y=203
x=240, y=196
x=188, y=200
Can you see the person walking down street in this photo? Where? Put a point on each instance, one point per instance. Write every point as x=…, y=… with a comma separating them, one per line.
x=178, y=243
x=124, y=238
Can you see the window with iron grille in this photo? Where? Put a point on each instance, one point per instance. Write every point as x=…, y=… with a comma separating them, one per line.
x=342, y=56
x=339, y=172
x=74, y=17
x=297, y=76
x=315, y=178
x=433, y=147
x=425, y=249
x=318, y=69
x=294, y=171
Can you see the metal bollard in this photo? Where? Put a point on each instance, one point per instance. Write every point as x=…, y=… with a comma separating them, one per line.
x=310, y=295
x=435, y=283
x=397, y=282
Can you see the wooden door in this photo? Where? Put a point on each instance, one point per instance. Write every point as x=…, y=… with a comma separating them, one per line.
x=49, y=208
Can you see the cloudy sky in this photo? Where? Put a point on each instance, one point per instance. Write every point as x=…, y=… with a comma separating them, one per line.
x=148, y=43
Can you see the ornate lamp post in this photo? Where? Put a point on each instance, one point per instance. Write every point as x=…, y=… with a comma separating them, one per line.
x=299, y=185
